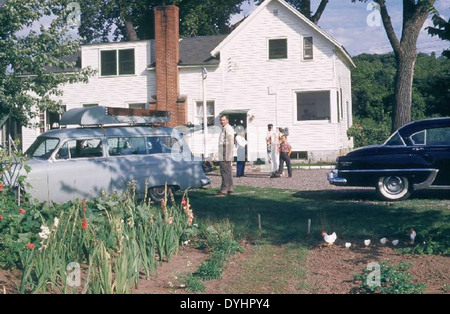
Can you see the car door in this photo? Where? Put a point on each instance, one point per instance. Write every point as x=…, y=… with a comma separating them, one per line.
x=79, y=170
x=432, y=148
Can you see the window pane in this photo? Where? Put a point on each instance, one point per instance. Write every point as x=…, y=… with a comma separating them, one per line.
x=210, y=112
x=137, y=106
x=109, y=63
x=85, y=148
x=163, y=145
x=42, y=148
x=126, y=62
x=278, y=49
x=308, y=48
x=313, y=106
x=127, y=146
x=437, y=137
x=419, y=138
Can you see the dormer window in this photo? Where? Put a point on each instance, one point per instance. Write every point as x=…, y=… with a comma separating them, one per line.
x=117, y=62
x=278, y=49
x=308, y=50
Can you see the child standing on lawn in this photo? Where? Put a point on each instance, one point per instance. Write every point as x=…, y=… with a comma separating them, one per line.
x=285, y=156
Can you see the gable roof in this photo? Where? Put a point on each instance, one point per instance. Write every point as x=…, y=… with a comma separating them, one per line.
x=195, y=51
x=261, y=7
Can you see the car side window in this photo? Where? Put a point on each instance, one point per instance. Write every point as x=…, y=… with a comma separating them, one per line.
x=126, y=146
x=163, y=145
x=395, y=140
x=75, y=149
x=419, y=138
x=438, y=136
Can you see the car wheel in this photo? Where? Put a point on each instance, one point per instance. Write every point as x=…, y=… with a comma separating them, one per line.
x=157, y=193
x=393, y=188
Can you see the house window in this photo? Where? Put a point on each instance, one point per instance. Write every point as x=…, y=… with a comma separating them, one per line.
x=137, y=106
x=117, y=62
x=90, y=105
x=278, y=49
x=210, y=112
x=313, y=106
x=308, y=51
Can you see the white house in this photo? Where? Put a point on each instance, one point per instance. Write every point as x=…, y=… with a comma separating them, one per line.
x=275, y=67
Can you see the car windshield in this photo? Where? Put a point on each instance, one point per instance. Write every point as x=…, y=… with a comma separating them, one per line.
x=395, y=140
x=42, y=148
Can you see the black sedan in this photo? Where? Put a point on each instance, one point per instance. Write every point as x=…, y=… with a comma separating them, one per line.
x=415, y=157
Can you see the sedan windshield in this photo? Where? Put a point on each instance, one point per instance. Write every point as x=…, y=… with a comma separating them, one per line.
x=42, y=148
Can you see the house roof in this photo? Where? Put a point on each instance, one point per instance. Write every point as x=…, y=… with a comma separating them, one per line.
x=195, y=51
x=251, y=17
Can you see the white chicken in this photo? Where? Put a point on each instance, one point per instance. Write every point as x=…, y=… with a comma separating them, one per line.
x=395, y=242
x=348, y=245
x=330, y=239
x=412, y=235
x=383, y=241
x=367, y=242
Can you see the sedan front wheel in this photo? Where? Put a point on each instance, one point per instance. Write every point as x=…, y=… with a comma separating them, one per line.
x=393, y=188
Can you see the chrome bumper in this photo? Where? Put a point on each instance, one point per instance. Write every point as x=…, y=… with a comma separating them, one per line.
x=205, y=181
x=334, y=179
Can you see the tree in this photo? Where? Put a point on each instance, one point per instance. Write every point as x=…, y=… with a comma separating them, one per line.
x=441, y=29
x=305, y=7
x=134, y=19
x=27, y=84
x=415, y=13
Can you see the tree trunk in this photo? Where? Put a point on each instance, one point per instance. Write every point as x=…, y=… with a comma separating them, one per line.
x=130, y=31
x=406, y=61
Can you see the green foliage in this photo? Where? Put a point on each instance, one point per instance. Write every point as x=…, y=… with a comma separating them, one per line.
x=441, y=29
x=24, y=50
x=194, y=284
x=220, y=241
x=115, y=238
x=394, y=280
x=368, y=132
x=100, y=19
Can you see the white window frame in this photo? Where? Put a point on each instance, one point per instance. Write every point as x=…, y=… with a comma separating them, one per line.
x=197, y=117
x=303, y=48
x=268, y=49
x=117, y=62
x=313, y=122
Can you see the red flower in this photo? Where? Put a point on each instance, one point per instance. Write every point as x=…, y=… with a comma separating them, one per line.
x=1, y=186
x=22, y=211
x=183, y=202
x=1, y=218
x=30, y=246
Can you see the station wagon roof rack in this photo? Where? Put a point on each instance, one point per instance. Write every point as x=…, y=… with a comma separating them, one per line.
x=101, y=116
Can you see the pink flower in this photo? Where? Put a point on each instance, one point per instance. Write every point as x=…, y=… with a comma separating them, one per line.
x=22, y=211
x=30, y=246
x=170, y=221
x=183, y=202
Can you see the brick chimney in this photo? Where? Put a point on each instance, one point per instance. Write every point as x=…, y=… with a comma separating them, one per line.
x=167, y=44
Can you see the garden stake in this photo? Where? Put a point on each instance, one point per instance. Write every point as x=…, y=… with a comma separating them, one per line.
x=309, y=226
x=259, y=222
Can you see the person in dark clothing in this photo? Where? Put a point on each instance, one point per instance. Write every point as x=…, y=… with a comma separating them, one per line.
x=285, y=156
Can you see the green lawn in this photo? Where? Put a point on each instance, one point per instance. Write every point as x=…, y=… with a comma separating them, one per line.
x=276, y=263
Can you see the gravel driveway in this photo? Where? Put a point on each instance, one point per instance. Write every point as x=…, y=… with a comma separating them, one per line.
x=302, y=180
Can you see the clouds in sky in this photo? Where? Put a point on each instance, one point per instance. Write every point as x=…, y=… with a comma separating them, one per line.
x=347, y=23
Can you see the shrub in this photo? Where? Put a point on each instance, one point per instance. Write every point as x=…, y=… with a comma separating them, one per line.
x=369, y=132
x=394, y=280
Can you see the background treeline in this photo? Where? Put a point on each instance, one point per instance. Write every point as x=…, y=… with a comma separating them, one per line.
x=373, y=94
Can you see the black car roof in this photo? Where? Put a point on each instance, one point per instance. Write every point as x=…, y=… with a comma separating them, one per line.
x=417, y=126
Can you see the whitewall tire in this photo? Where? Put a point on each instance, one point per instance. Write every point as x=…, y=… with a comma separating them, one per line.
x=393, y=188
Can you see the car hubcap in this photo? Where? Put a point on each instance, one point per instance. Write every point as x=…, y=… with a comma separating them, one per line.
x=158, y=192
x=394, y=185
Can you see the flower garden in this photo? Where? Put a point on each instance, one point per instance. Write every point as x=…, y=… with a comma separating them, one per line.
x=101, y=246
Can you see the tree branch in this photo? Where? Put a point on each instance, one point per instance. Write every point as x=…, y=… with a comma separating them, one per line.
x=387, y=22
x=316, y=17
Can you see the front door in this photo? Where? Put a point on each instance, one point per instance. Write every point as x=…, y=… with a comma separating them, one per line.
x=239, y=122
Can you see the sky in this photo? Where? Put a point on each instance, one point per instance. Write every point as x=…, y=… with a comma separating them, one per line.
x=347, y=23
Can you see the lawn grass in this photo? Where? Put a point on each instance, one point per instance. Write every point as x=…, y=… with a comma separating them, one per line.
x=352, y=214
x=276, y=263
